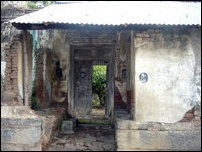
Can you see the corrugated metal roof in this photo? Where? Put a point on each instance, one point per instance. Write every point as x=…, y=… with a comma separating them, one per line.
x=117, y=13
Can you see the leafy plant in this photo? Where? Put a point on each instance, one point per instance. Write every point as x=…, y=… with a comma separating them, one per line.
x=46, y=3
x=31, y=5
x=99, y=83
x=95, y=101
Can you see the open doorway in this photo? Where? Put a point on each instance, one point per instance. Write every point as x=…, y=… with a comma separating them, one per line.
x=99, y=86
x=80, y=99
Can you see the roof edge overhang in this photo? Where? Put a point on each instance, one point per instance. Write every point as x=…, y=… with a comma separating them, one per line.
x=45, y=26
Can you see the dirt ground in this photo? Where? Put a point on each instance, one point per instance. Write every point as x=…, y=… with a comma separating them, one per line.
x=86, y=137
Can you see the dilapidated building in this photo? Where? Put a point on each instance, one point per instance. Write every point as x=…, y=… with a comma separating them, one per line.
x=153, y=56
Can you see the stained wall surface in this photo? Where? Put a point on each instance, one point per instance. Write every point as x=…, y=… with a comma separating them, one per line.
x=171, y=60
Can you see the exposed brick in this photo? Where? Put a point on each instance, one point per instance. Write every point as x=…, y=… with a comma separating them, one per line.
x=130, y=100
x=118, y=100
x=11, y=71
x=189, y=115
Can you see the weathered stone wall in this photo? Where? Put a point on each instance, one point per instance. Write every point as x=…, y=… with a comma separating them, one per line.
x=44, y=77
x=54, y=88
x=131, y=77
x=121, y=69
x=23, y=129
x=97, y=42
x=171, y=59
x=11, y=66
x=51, y=123
x=11, y=10
x=83, y=88
x=90, y=37
x=48, y=49
x=12, y=93
x=59, y=42
x=134, y=136
x=20, y=129
x=28, y=66
x=61, y=66
x=121, y=41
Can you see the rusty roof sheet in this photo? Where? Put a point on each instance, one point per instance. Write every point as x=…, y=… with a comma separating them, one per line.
x=117, y=13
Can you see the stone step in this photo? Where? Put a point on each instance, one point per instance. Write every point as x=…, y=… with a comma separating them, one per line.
x=122, y=111
x=123, y=114
x=68, y=126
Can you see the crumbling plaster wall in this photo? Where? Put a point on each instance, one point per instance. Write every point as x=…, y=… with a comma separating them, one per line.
x=155, y=136
x=171, y=59
x=121, y=69
x=43, y=79
x=60, y=41
x=167, y=105
x=13, y=93
x=61, y=49
x=9, y=10
x=51, y=48
x=20, y=129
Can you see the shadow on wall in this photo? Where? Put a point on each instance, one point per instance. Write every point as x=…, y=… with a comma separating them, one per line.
x=59, y=85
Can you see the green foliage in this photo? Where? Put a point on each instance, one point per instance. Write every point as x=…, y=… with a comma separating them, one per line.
x=96, y=101
x=99, y=83
x=32, y=5
x=46, y=3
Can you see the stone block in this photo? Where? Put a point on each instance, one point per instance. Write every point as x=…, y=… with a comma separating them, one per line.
x=20, y=129
x=47, y=127
x=158, y=140
x=180, y=126
x=153, y=136
x=68, y=126
x=19, y=147
x=21, y=135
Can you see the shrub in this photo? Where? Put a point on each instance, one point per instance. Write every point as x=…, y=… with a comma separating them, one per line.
x=32, y=5
x=99, y=83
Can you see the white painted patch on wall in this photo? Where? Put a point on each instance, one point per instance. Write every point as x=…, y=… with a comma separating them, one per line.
x=3, y=68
